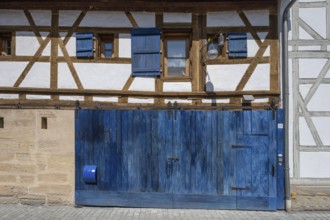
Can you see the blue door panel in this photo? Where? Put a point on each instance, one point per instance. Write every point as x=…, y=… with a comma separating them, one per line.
x=177, y=159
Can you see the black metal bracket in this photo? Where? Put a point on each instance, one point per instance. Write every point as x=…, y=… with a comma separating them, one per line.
x=240, y=146
x=240, y=188
x=169, y=107
x=77, y=104
x=176, y=107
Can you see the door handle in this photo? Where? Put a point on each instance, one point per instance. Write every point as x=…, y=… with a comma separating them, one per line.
x=273, y=170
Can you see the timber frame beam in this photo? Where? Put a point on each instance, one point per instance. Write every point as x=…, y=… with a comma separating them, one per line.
x=144, y=5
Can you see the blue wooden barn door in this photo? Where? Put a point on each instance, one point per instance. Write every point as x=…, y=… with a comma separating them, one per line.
x=182, y=159
x=253, y=156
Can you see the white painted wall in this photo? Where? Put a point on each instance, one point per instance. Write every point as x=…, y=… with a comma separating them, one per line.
x=177, y=87
x=105, y=19
x=314, y=165
x=143, y=84
x=225, y=77
x=41, y=17
x=38, y=76
x=68, y=17
x=224, y=19
x=144, y=19
x=10, y=71
x=177, y=18
x=13, y=17
x=103, y=76
x=125, y=45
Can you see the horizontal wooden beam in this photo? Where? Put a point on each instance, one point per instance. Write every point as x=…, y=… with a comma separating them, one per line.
x=62, y=59
x=92, y=92
x=248, y=60
x=156, y=6
x=215, y=30
x=64, y=29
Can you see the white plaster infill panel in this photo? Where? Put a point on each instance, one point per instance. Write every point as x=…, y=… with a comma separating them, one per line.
x=65, y=78
x=13, y=17
x=38, y=97
x=10, y=71
x=103, y=76
x=253, y=47
x=143, y=84
x=310, y=68
x=141, y=100
x=209, y=101
x=177, y=87
x=38, y=76
x=72, y=98
x=105, y=19
x=260, y=79
x=125, y=45
x=41, y=17
x=303, y=35
x=225, y=77
x=26, y=44
x=314, y=164
x=304, y=89
x=305, y=135
x=105, y=99
x=182, y=101
x=70, y=46
x=177, y=18
x=320, y=100
x=145, y=19
x=258, y=18
x=9, y=96
x=225, y=19
x=68, y=17
x=315, y=18
x=322, y=125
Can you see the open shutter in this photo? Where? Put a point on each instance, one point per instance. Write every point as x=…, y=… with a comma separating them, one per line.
x=145, y=51
x=237, y=45
x=84, y=45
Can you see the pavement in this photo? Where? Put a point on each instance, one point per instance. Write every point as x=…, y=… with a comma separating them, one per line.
x=27, y=212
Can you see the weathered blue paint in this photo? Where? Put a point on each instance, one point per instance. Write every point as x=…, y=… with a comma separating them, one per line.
x=145, y=51
x=280, y=166
x=85, y=45
x=194, y=159
x=237, y=45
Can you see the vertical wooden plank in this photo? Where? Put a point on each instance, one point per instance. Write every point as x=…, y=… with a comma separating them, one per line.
x=159, y=80
x=195, y=59
x=274, y=52
x=280, y=150
x=220, y=146
x=260, y=122
x=54, y=52
x=125, y=135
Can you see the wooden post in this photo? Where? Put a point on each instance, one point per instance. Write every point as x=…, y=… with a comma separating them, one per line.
x=54, y=52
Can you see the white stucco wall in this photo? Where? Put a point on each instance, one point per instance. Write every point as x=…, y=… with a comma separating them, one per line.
x=103, y=76
x=10, y=71
x=13, y=17
x=105, y=19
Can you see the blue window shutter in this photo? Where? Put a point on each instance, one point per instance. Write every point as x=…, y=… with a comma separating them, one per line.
x=84, y=45
x=237, y=45
x=145, y=51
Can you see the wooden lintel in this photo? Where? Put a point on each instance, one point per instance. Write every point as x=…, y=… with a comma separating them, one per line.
x=144, y=94
x=155, y=6
x=248, y=60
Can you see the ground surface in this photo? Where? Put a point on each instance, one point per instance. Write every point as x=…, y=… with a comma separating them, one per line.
x=68, y=212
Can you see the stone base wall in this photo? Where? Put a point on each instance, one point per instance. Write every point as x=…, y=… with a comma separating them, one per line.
x=37, y=165
x=310, y=198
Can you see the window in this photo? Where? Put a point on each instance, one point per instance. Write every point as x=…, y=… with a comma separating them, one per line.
x=5, y=44
x=44, y=123
x=106, y=45
x=2, y=123
x=176, y=56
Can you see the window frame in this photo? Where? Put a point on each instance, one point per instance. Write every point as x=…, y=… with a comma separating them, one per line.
x=177, y=36
x=101, y=40
x=6, y=37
